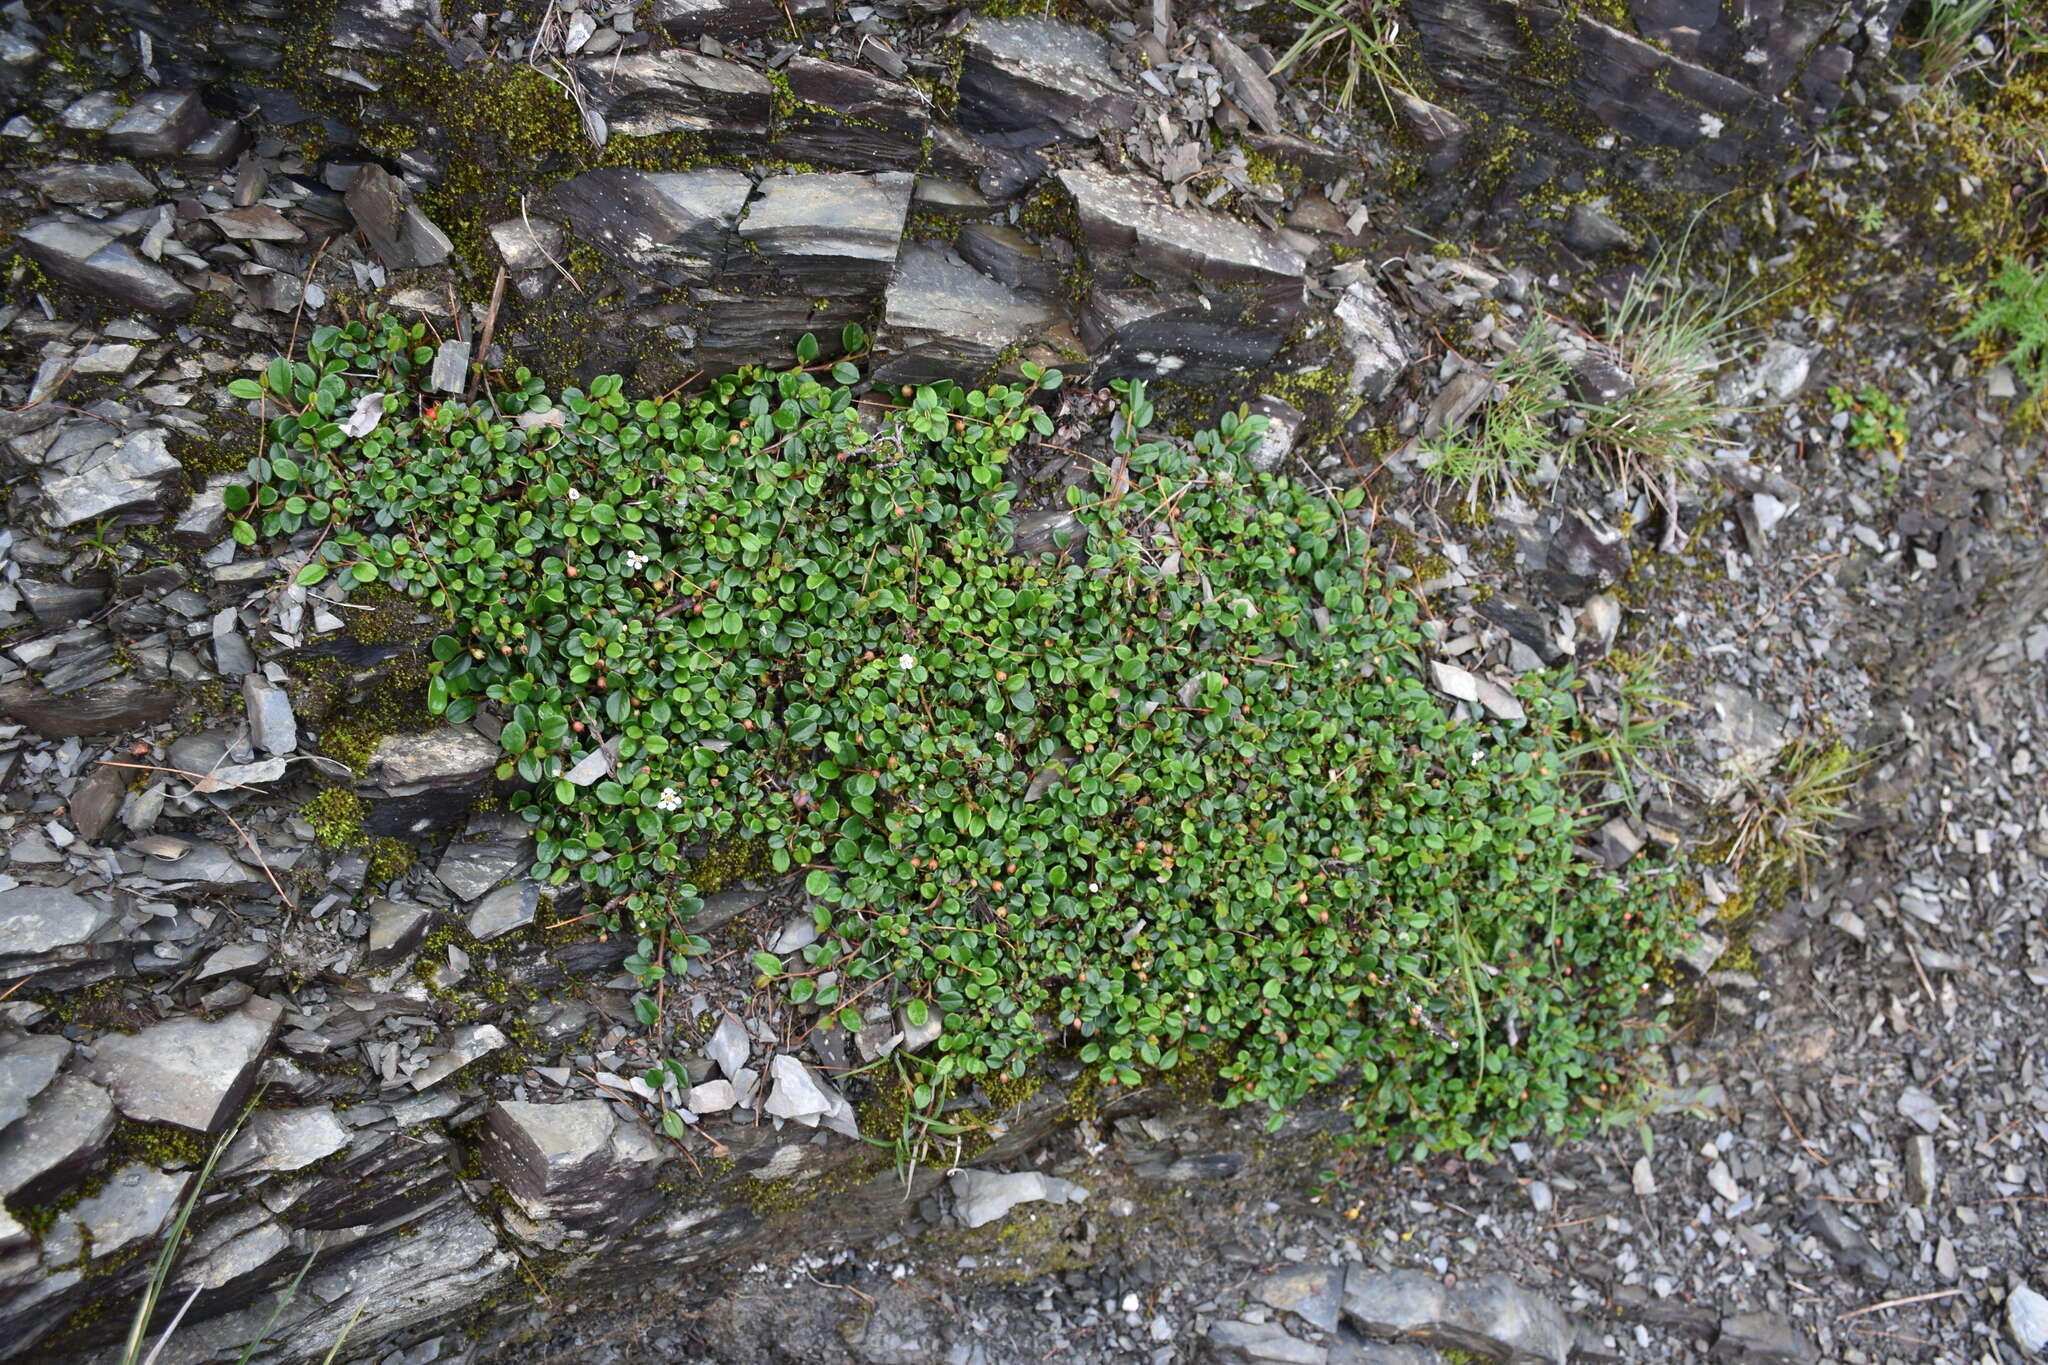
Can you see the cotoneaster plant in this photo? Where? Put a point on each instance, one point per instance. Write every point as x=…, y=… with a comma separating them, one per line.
x=1176, y=793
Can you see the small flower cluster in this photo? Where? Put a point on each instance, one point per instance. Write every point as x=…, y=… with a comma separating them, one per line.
x=669, y=800
x=634, y=561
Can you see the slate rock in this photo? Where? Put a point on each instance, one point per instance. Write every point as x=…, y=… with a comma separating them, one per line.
x=1590, y=231
x=1001, y=173
x=448, y=757
x=1313, y=1293
x=1128, y=224
x=466, y=1044
x=1853, y=1251
x=1492, y=1316
x=63, y=1135
x=672, y=228
x=680, y=91
x=578, y=1162
x=450, y=373
x=1763, y=1339
x=232, y=1250
x=528, y=243
x=403, y=237
x=93, y=257
x=38, y=919
x=1442, y=134
x=1380, y=350
x=504, y=910
x=981, y=1197
x=60, y=604
x=396, y=928
x=132, y=1206
x=943, y=319
x=729, y=19
x=831, y=234
x=285, y=1140
x=27, y=1066
x=1027, y=82
x=450, y=1261
x=849, y=118
x=272, y=726
x=1246, y=81
x=1584, y=557
x=469, y=870
x=2026, y=1318
x=187, y=1072
x=130, y=479
x=1261, y=1343
x=386, y=26
x=85, y=182
x=801, y=1096
x=1008, y=257
x=1152, y=334
x=729, y=1046
x=711, y=1097
x=114, y=706
x=159, y=123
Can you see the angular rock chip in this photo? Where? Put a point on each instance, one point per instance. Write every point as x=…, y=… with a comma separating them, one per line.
x=466, y=1044
x=187, y=1072
x=284, y=1140
x=452, y=756
x=93, y=257
x=1380, y=350
x=46, y=1153
x=403, y=237
x=983, y=1196
x=160, y=123
x=84, y=182
x=131, y=479
x=37, y=919
x=504, y=910
x=132, y=1206
x=27, y=1067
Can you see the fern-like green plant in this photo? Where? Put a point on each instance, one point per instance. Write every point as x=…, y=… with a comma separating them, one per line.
x=2017, y=309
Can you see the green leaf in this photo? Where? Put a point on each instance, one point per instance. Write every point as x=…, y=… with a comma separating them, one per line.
x=312, y=574
x=853, y=338
x=235, y=497
x=818, y=882
x=247, y=389
x=806, y=349
x=845, y=372
x=644, y=1010
x=672, y=1124
x=767, y=964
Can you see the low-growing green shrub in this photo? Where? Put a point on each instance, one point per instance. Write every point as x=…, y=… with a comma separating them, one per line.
x=1179, y=790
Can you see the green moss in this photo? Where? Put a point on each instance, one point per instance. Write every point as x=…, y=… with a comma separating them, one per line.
x=336, y=815
x=156, y=1144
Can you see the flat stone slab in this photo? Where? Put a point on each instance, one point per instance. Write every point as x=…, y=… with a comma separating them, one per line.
x=1128, y=223
x=63, y=1134
x=188, y=1072
x=26, y=1068
x=285, y=1140
x=38, y=919
x=1027, y=82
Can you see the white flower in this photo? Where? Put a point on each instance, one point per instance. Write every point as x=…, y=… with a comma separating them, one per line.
x=670, y=799
x=574, y=494
x=635, y=561
x=907, y=662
